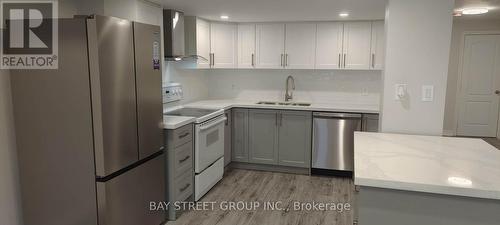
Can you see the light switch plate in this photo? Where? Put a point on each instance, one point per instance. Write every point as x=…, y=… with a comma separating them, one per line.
x=428, y=93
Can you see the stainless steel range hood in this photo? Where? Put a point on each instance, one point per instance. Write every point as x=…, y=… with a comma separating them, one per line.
x=174, y=37
x=173, y=34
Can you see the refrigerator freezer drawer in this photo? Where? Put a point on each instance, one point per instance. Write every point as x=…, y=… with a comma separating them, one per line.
x=124, y=200
x=208, y=178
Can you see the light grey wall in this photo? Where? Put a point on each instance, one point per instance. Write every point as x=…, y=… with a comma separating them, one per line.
x=459, y=27
x=418, y=37
x=10, y=203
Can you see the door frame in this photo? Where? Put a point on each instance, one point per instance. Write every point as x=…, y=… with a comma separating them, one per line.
x=460, y=76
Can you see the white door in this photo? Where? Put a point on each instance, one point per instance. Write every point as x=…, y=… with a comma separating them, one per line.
x=203, y=42
x=223, y=39
x=329, y=45
x=377, y=45
x=246, y=45
x=478, y=103
x=270, y=43
x=357, y=38
x=300, y=45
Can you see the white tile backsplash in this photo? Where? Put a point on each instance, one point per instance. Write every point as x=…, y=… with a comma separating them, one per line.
x=318, y=86
x=194, y=82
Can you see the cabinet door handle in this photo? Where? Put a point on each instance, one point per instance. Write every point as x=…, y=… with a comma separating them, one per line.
x=213, y=59
x=344, y=58
x=183, y=135
x=276, y=117
x=340, y=57
x=184, y=159
x=286, y=60
x=281, y=119
x=185, y=187
x=281, y=60
x=253, y=59
x=373, y=60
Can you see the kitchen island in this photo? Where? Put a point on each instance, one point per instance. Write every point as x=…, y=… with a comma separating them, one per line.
x=411, y=179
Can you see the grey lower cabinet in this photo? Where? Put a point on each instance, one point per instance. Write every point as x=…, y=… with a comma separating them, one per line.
x=272, y=137
x=294, y=145
x=180, y=170
x=239, y=135
x=263, y=136
x=227, y=137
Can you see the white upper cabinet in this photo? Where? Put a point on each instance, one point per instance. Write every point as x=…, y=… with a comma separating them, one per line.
x=270, y=45
x=223, y=40
x=377, y=45
x=300, y=45
x=198, y=40
x=329, y=45
x=246, y=45
x=356, y=46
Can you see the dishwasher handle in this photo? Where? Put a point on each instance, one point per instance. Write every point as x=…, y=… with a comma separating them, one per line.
x=337, y=115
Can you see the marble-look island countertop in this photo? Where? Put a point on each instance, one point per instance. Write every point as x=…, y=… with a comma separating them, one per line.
x=324, y=107
x=432, y=164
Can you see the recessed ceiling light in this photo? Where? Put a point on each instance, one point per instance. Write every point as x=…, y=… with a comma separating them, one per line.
x=224, y=17
x=474, y=11
x=460, y=181
x=343, y=14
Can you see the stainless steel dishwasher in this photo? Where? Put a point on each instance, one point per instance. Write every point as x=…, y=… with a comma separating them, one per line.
x=333, y=143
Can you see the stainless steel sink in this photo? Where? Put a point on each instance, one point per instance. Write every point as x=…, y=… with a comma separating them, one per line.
x=303, y=104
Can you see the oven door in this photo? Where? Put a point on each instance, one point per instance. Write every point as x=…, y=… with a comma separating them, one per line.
x=209, y=142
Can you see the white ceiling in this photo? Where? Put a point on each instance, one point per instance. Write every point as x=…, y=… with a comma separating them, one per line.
x=280, y=10
x=304, y=10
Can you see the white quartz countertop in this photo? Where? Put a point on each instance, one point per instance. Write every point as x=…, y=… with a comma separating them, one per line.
x=432, y=164
x=174, y=122
x=326, y=107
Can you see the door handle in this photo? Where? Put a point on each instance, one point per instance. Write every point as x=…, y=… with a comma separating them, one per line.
x=286, y=60
x=497, y=92
x=340, y=57
x=281, y=60
x=344, y=59
x=253, y=59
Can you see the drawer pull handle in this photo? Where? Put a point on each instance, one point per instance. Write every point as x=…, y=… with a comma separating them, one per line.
x=184, y=159
x=183, y=135
x=185, y=187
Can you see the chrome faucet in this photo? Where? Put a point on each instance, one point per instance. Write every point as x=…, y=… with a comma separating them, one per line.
x=288, y=93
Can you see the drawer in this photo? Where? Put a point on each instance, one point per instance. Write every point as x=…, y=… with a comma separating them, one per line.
x=184, y=186
x=179, y=136
x=183, y=158
x=208, y=178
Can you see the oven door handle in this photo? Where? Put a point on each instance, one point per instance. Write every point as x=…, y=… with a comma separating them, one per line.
x=210, y=125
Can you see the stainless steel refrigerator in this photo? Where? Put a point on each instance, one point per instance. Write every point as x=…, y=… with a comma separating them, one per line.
x=89, y=140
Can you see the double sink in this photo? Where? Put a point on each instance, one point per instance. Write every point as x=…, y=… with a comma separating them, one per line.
x=284, y=103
